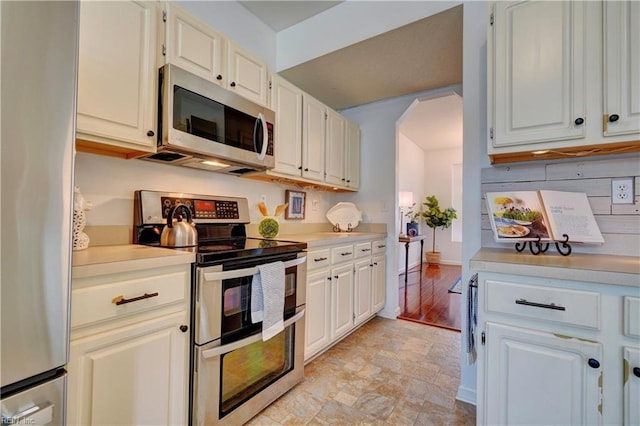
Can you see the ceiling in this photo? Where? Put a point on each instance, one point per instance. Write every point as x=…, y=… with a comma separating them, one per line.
x=420, y=56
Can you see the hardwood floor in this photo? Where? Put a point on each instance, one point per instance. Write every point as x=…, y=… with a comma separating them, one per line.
x=426, y=298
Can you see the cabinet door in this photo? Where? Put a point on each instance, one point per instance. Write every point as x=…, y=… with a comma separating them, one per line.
x=194, y=46
x=631, y=386
x=352, y=161
x=135, y=374
x=318, y=312
x=363, y=290
x=117, y=74
x=341, y=300
x=286, y=101
x=379, y=279
x=621, y=67
x=313, y=138
x=538, y=72
x=533, y=377
x=335, y=152
x=247, y=75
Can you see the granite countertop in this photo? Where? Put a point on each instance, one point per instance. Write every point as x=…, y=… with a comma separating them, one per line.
x=101, y=260
x=596, y=268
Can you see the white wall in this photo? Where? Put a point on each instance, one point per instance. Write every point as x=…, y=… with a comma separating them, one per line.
x=410, y=178
x=438, y=182
x=109, y=184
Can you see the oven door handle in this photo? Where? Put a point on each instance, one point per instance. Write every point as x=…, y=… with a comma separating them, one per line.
x=220, y=350
x=247, y=272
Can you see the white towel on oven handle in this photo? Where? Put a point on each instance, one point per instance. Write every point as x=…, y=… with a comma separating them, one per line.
x=267, y=298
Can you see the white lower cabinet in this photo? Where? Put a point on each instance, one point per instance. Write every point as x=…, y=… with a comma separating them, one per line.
x=130, y=375
x=540, y=378
x=318, y=312
x=556, y=352
x=345, y=288
x=129, y=346
x=631, y=385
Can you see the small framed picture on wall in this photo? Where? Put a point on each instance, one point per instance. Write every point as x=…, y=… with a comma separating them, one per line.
x=297, y=204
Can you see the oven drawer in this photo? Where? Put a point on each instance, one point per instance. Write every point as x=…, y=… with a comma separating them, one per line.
x=116, y=298
x=362, y=249
x=318, y=259
x=342, y=253
x=559, y=305
x=379, y=246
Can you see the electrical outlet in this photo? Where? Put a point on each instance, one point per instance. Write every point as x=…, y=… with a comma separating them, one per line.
x=263, y=198
x=622, y=191
x=314, y=205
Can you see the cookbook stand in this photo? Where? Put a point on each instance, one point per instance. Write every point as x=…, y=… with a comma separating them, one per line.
x=336, y=228
x=537, y=247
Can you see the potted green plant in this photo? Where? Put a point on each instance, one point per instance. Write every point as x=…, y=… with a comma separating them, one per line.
x=434, y=217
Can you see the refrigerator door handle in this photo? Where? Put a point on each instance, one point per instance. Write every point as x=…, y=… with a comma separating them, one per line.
x=36, y=415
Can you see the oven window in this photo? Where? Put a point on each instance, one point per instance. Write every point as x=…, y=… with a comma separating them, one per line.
x=236, y=305
x=250, y=369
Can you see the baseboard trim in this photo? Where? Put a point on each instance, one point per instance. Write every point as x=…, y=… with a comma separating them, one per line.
x=467, y=394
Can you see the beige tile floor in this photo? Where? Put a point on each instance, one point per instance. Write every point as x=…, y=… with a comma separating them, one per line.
x=386, y=373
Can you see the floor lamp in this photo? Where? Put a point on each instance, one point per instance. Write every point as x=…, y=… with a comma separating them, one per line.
x=405, y=199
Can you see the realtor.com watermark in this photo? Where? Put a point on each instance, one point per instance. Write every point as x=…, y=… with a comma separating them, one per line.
x=19, y=421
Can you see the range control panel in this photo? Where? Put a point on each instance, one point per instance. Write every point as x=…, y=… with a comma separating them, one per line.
x=152, y=207
x=203, y=209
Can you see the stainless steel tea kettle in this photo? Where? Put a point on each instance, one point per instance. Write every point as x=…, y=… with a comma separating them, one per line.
x=179, y=233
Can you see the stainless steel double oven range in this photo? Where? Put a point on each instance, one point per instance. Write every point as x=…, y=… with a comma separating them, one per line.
x=234, y=373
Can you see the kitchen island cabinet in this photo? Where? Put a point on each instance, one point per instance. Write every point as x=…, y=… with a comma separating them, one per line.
x=554, y=88
x=555, y=338
x=117, y=78
x=129, y=346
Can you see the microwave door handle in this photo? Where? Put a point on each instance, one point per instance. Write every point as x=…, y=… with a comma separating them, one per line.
x=247, y=272
x=221, y=350
x=265, y=136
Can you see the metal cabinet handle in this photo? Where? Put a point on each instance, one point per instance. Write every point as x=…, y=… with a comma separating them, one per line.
x=348, y=253
x=540, y=305
x=120, y=300
x=319, y=259
x=613, y=118
x=381, y=246
x=336, y=277
x=365, y=250
x=219, y=77
x=593, y=363
x=184, y=328
x=233, y=84
x=579, y=121
x=636, y=371
x=151, y=133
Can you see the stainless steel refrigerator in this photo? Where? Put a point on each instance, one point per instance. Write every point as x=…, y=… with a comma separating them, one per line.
x=37, y=121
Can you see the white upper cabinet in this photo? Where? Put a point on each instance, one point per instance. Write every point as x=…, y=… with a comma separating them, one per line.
x=194, y=45
x=562, y=79
x=538, y=71
x=621, y=68
x=313, y=138
x=335, y=153
x=286, y=101
x=248, y=75
x=352, y=154
x=117, y=76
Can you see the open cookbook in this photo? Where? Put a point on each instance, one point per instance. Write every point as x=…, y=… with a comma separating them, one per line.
x=548, y=215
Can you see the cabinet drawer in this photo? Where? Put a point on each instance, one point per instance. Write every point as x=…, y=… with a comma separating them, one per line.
x=632, y=316
x=98, y=303
x=362, y=249
x=379, y=246
x=342, y=253
x=580, y=308
x=318, y=258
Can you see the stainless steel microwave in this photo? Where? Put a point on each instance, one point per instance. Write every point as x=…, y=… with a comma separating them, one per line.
x=205, y=126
